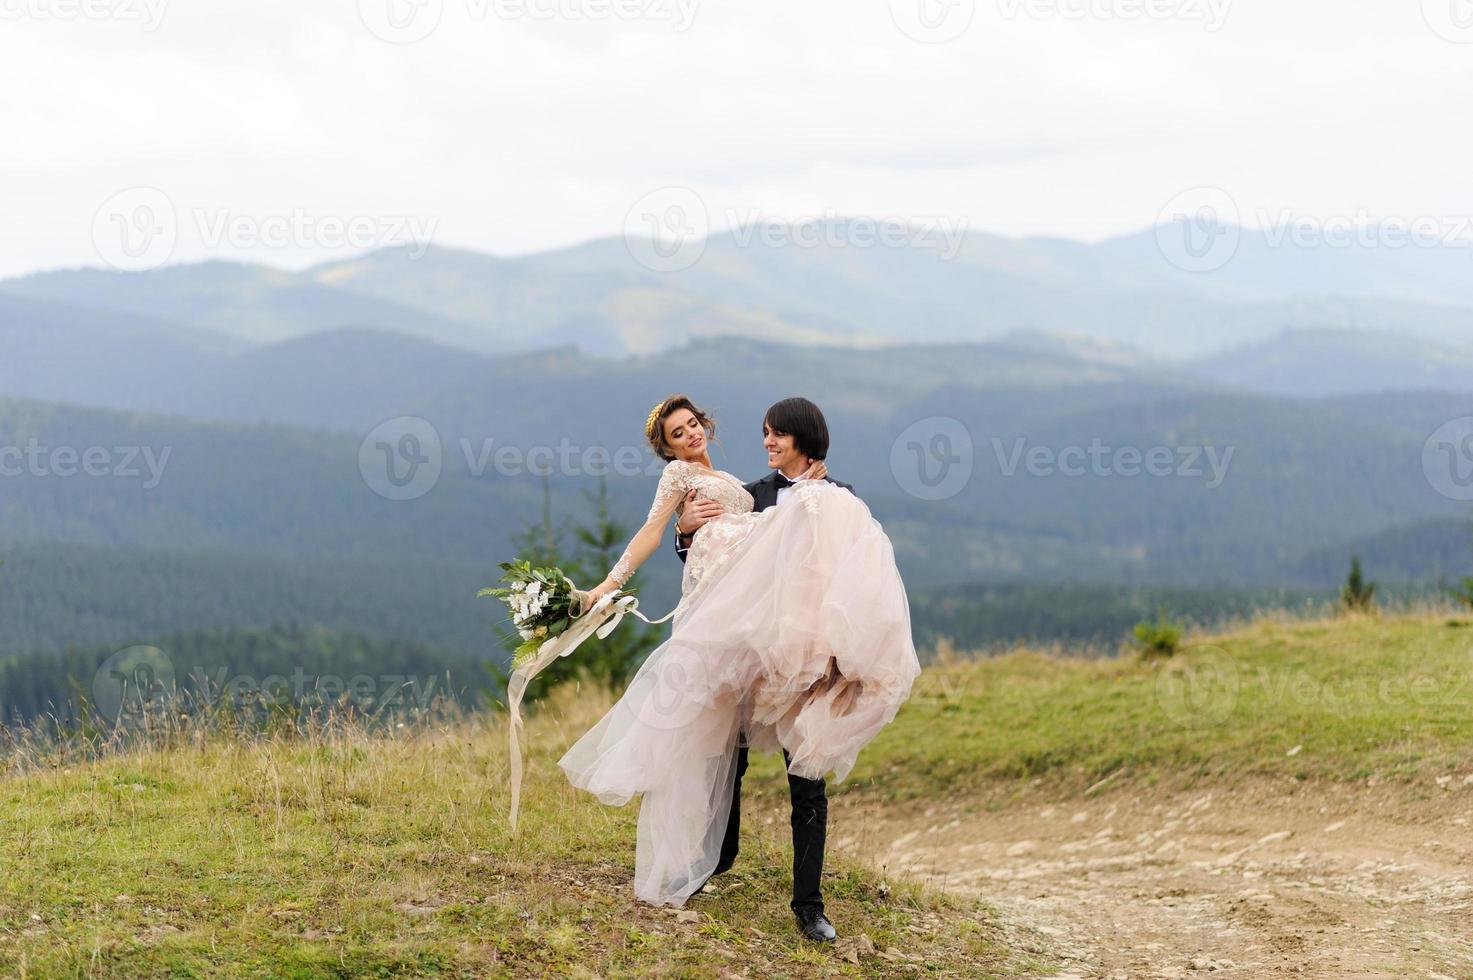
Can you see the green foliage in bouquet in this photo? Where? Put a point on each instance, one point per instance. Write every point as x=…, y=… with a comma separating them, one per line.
x=597, y=544
x=540, y=600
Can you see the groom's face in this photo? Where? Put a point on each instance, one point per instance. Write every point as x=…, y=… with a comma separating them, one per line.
x=781, y=453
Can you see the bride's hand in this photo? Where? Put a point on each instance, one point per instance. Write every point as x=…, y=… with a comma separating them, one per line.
x=590, y=598
x=816, y=472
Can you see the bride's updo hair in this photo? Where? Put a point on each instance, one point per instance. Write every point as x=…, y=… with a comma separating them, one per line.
x=654, y=426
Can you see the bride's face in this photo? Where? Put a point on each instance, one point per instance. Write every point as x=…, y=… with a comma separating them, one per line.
x=685, y=435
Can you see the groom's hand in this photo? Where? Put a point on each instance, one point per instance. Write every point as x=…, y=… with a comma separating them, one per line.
x=698, y=511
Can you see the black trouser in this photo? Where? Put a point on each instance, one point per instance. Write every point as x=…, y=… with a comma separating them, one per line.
x=810, y=823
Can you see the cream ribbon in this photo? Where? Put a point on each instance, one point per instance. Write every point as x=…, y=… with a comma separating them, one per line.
x=600, y=621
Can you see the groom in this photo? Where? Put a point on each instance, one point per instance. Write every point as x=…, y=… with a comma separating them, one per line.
x=795, y=436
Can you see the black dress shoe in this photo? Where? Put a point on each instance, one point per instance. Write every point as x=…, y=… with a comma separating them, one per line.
x=816, y=926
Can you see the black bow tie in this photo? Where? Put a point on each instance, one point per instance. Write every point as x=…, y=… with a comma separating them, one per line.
x=782, y=481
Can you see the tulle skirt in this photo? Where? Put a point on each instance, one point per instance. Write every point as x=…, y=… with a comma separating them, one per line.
x=796, y=634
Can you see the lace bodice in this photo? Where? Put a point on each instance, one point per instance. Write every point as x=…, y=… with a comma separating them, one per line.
x=678, y=479
x=681, y=477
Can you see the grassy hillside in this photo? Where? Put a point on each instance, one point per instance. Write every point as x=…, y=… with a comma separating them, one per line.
x=349, y=855
x=994, y=616
x=1382, y=698
x=356, y=856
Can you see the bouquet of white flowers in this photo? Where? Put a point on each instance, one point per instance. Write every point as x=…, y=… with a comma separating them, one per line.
x=553, y=618
x=542, y=601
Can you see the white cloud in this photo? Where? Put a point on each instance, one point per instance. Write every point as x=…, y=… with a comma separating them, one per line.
x=516, y=135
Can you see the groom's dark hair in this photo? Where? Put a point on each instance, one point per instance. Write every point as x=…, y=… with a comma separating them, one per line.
x=801, y=419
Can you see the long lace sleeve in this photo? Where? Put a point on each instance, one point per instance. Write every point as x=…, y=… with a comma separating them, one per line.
x=674, y=482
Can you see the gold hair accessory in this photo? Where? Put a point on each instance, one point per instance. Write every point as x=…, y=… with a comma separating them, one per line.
x=649, y=423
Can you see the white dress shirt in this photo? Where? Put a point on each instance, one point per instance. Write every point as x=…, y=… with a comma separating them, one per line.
x=781, y=493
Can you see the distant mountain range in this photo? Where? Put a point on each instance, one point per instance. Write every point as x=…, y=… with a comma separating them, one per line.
x=252, y=522
x=266, y=455
x=1337, y=362
x=598, y=298
x=1293, y=391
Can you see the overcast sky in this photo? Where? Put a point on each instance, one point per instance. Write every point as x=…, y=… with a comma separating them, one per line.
x=515, y=127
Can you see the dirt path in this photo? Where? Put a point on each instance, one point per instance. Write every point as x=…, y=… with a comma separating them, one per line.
x=1265, y=879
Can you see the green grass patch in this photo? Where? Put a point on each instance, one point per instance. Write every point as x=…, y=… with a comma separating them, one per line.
x=342, y=853
x=1387, y=697
x=360, y=856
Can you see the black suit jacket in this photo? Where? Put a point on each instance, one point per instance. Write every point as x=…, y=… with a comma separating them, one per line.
x=764, y=495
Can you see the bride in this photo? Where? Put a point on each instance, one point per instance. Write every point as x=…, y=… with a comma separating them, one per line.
x=792, y=626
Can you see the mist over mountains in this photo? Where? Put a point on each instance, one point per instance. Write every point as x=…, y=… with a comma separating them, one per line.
x=599, y=298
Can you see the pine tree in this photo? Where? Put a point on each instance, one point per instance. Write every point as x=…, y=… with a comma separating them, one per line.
x=1159, y=639
x=613, y=660
x=1357, y=595
x=538, y=543
x=1464, y=594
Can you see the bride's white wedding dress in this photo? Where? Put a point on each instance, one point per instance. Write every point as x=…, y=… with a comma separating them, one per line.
x=793, y=626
